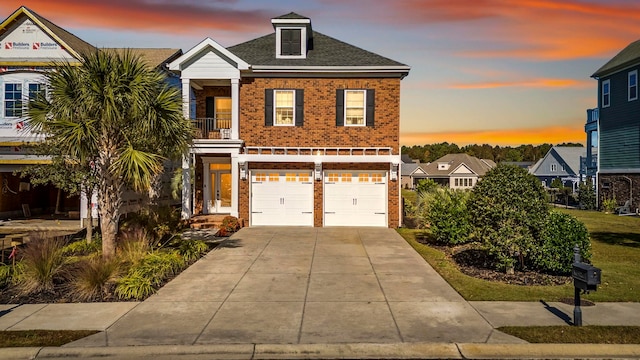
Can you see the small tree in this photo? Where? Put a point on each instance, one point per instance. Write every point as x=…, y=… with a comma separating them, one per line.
x=448, y=216
x=508, y=211
x=587, y=195
x=562, y=232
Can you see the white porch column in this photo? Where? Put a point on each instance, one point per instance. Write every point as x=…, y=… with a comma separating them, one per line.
x=235, y=183
x=235, y=112
x=186, y=188
x=186, y=98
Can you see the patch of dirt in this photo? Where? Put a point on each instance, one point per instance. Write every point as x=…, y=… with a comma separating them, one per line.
x=476, y=262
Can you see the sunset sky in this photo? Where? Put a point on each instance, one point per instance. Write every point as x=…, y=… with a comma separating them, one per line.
x=502, y=72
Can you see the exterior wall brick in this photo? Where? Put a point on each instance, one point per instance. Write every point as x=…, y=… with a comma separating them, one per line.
x=319, y=127
x=619, y=188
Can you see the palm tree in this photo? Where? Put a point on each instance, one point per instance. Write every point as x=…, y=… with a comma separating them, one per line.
x=119, y=114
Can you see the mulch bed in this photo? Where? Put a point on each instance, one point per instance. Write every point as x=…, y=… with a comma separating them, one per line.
x=476, y=262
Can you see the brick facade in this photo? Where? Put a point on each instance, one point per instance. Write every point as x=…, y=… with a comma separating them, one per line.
x=319, y=128
x=618, y=186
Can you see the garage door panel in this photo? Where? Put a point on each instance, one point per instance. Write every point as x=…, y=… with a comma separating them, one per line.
x=355, y=198
x=281, y=198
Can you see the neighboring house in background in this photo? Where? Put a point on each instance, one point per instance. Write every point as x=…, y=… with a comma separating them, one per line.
x=458, y=171
x=411, y=174
x=293, y=128
x=618, y=128
x=29, y=46
x=522, y=164
x=560, y=162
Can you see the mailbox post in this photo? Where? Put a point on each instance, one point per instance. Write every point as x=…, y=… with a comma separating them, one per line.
x=585, y=278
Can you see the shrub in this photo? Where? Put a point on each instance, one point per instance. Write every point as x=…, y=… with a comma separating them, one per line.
x=82, y=247
x=508, y=210
x=587, y=195
x=150, y=272
x=426, y=186
x=6, y=273
x=230, y=224
x=448, y=216
x=562, y=232
x=43, y=261
x=159, y=221
x=192, y=250
x=609, y=205
x=91, y=278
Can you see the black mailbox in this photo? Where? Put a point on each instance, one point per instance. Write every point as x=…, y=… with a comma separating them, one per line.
x=586, y=277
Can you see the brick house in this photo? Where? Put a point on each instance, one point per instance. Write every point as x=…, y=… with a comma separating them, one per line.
x=293, y=128
x=618, y=128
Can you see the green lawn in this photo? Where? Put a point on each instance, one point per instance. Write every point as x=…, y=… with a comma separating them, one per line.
x=615, y=247
x=576, y=334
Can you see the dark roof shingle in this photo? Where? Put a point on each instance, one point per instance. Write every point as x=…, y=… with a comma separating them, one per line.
x=628, y=56
x=325, y=51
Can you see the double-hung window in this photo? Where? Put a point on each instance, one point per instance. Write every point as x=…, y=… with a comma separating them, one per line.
x=606, y=93
x=355, y=105
x=633, y=85
x=284, y=107
x=12, y=100
x=554, y=167
x=284, y=114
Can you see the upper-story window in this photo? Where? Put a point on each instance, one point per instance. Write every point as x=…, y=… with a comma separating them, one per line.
x=291, y=42
x=12, y=100
x=633, y=85
x=284, y=107
x=355, y=107
x=284, y=113
x=554, y=167
x=606, y=93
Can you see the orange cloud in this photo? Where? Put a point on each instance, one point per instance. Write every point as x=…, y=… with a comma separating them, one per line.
x=540, y=83
x=165, y=17
x=509, y=137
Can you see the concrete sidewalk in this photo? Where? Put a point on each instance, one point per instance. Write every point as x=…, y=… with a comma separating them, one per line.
x=348, y=290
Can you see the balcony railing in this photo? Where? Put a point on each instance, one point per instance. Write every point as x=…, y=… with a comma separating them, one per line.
x=212, y=128
x=593, y=115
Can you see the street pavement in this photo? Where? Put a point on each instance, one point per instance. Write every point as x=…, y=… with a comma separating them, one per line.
x=292, y=292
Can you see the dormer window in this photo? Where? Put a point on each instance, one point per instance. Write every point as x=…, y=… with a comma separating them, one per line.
x=443, y=166
x=293, y=36
x=290, y=43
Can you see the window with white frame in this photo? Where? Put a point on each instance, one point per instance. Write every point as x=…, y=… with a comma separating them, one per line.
x=291, y=42
x=554, y=167
x=37, y=91
x=355, y=105
x=12, y=100
x=633, y=85
x=606, y=93
x=284, y=109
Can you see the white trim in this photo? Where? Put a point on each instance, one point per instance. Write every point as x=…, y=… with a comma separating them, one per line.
x=200, y=47
x=395, y=159
x=293, y=106
x=629, y=74
x=303, y=42
x=291, y=21
x=608, y=83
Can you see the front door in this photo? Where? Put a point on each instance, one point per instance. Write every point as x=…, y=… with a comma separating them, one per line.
x=219, y=195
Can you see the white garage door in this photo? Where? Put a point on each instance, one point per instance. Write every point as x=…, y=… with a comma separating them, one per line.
x=355, y=198
x=281, y=198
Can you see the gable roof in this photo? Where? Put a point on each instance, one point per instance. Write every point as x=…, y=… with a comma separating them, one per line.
x=565, y=155
x=478, y=166
x=627, y=57
x=292, y=16
x=73, y=44
x=208, y=44
x=412, y=168
x=155, y=57
x=324, y=51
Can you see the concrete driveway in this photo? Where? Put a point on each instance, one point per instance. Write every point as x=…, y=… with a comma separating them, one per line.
x=293, y=285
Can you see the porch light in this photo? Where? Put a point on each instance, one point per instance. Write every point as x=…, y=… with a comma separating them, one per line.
x=243, y=170
x=394, y=172
x=318, y=171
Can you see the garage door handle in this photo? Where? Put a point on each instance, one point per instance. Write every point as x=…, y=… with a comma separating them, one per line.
x=307, y=212
x=256, y=212
x=329, y=212
x=379, y=213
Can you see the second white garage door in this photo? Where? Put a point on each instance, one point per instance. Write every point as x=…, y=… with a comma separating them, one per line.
x=355, y=198
x=281, y=198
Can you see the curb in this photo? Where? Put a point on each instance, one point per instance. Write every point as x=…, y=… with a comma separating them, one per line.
x=335, y=351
